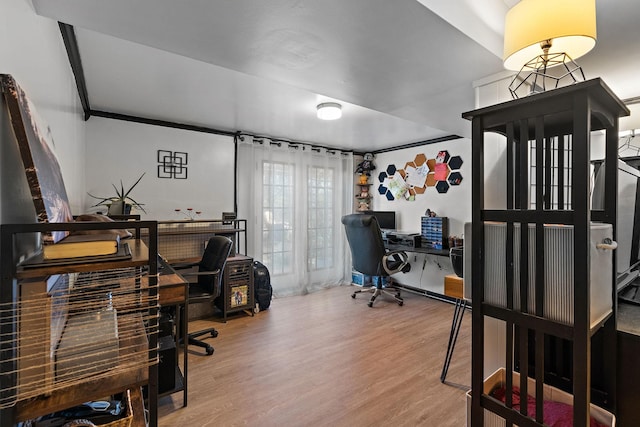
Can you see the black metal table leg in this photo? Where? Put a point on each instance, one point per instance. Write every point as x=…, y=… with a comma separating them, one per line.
x=456, y=322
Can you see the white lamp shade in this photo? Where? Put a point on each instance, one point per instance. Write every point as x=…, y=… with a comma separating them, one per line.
x=329, y=111
x=570, y=24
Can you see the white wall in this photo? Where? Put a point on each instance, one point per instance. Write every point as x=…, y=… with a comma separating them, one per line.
x=124, y=150
x=427, y=271
x=32, y=51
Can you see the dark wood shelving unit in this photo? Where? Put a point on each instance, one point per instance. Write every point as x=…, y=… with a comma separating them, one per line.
x=562, y=118
x=137, y=359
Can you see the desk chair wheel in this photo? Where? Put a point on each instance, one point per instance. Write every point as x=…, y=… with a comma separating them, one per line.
x=209, y=350
x=353, y=295
x=372, y=300
x=214, y=333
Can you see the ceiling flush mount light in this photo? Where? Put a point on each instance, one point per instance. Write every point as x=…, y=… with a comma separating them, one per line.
x=542, y=38
x=329, y=111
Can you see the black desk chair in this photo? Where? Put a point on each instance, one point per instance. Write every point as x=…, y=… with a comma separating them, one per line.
x=370, y=257
x=209, y=284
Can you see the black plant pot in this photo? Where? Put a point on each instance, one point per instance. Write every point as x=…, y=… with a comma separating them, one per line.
x=456, y=256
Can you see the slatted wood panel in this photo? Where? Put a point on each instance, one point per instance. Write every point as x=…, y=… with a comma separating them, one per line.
x=325, y=359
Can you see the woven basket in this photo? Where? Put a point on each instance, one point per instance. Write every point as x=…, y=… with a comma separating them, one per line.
x=121, y=422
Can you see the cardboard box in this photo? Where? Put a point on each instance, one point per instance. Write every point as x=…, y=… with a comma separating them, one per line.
x=453, y=286
x=360, y=279
x=377, y=279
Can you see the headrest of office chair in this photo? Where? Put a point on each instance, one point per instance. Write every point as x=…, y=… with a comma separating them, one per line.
x=358, y=220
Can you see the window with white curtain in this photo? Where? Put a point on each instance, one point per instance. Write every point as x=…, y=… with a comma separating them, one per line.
x=278, y=216
x=320, y=212
x=294, y=196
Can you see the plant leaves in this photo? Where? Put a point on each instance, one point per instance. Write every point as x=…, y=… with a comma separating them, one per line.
x=136, y=204
x=121, y=195
x=103, y=200
x=134, y=184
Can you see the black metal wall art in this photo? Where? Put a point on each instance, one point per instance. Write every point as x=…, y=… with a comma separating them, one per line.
x=172, y=164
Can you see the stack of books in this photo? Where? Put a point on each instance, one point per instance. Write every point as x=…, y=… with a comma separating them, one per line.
x=80, y=248
x=82, y=245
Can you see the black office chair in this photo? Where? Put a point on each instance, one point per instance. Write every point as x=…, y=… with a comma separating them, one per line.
x=209, y=283
x=370, y=257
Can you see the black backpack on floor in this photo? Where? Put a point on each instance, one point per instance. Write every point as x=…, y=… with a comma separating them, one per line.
x=262, y=285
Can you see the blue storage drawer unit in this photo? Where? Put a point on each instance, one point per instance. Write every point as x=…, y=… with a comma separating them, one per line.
x=435, y=233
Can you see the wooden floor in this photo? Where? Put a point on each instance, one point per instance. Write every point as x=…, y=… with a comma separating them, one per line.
x=325, y=359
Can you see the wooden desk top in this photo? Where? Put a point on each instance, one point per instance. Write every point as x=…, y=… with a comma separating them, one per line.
x=172, y=287
x=139, y=258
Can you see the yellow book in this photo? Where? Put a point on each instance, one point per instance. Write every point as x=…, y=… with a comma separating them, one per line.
x=82, y=245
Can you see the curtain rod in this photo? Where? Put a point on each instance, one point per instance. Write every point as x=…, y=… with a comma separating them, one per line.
x=279, y=142
x=156, y=122
x=418, y=143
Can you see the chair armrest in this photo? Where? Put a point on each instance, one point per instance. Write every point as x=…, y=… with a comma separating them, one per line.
x=183, y=265
x=202, y=273
x=404, y=258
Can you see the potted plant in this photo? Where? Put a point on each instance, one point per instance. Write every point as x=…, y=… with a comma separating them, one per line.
x=121, y=203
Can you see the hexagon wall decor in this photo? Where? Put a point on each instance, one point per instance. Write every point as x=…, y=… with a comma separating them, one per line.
x=442, y=186
x=455, y=178
x=442, y=156
x=455, y=162
x=441, y=172
x=420, y=160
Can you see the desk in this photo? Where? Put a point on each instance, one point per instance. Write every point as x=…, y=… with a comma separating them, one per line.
x=173, y=291
x=428, y=268
x=430, y=251
x=181, y=241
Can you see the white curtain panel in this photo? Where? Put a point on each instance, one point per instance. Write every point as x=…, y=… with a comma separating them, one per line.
x=293, y=196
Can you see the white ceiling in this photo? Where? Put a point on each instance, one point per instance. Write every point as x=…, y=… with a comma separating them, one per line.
x=402, y=69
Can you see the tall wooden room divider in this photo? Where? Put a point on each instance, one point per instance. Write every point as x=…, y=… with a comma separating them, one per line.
x=552, y=131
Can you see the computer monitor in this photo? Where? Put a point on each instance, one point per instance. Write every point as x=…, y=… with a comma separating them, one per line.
x=386, y=219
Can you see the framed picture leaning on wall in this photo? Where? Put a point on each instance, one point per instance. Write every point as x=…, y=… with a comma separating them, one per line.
x=41, y=166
